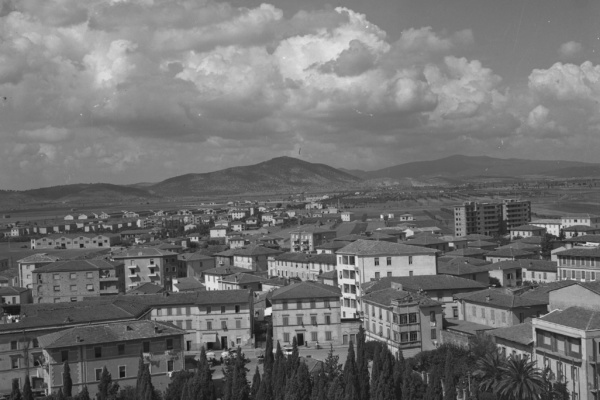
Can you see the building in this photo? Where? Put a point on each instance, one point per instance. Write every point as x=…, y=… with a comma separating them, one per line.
x=148, y=264
x=12, y=295
x=507, y=273
x=195, y=263
x=72, y=280
x=116, y=347
x=213, y=277
x=431, y=242
x=76, y=241
x=406, y=322
x=579, y=230
x=253, y=257
x=538, y=271
x=499, y=307
x=515, y=341
x=441, y=288
x=309, y=312
x=241, y=280
x=306, y=238
x=28, y=264
x=464, y=267
x=552, y=226
x=581, y=219
x=301, y=265
x=509, y=254
x=579, y=263
x=366, y=260
x=218, y=231
x=490, y=218
x=524, y=231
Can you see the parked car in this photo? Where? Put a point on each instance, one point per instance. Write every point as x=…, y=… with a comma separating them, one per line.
x=287, y=350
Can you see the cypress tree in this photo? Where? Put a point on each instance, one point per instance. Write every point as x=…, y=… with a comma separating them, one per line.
x=240, y=389
x=144, y=387
x=27, y=393
x=336, y=389
x=141, y=367
x=293, y=360
x=104, y=385
x=385, y=382
x=299, y=387
x=398, y=374
x=84, y=394
x=278, y=380
x=15, y=394
x=202, y=384
x=362, y=365
x=333, y=369
x=434, y=386
x=265, y=390
x=228, y=373
x=255, y=384
x=177, y=385
x=350, y=374
x=67, y=385
x=60, y=395
x=449, y=381
x=375, y=371
x=319, y=388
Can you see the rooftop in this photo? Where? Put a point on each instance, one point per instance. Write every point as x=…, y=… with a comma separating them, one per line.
x=375, y=248
x=580, y=252
x=424, y=283
x=306, y=290
x=255, y=250
x=38, y=259
x=521, y=333
x=500, y=298
x=509, y=253
x=146, y=288
x=143, y=252
x=225, y=270
x=385, y=296
x=530, y=228
x=194, y=257
x=185, y=284
x=467, y=252
x=574, y=317
x=75, y=265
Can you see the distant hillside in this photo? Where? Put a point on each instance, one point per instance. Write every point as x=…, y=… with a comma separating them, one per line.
x=586, y=171
x=86, y=191
x=276, y=175
x=467, y=166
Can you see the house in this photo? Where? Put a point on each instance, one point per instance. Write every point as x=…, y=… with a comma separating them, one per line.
x=464, y=267
x=307, y=311
x=430, y=242
x=241, y=280
x=580, y=219
x=331, y=247
x=76, y=241
x=366, y=260
x=213, y=276
x=515, y=341
x=469, y=252
x=237, y=242
x=253, y=257
x=187, y=285
x=579, y=264
x=72, y=280
x=347, y=216
x=195, y=263
x=307, y=237
x=499, y=307
x=580, y=230
x=14, y=295
x=482, y=245
x=552, y=226
x=28, y=264
x=539, y=271
x=145, y=288
x=116, y=347
x=441, y=288
x=508, y=273
x=225, y=258
x=406, y=322
x=148, y=264
x=301, y=265
x=528, y=230
x=238, y=226
x=509, y=254
x=267, y=218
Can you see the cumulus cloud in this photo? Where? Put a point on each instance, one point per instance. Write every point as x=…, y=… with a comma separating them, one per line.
x=47, y=134
x=570, y=50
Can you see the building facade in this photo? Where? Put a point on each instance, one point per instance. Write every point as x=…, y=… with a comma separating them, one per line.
x=147, y=264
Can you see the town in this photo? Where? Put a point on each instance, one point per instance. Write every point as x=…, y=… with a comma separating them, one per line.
x=102, y=293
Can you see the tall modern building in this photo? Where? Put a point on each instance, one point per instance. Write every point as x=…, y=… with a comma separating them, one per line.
x=490, y=218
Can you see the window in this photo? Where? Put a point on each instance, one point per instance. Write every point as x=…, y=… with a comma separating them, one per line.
x=98, y=352
x=410, y=260
x=313, y=304
x=209, y=325
x=388, y=261
x=482, y=312
x=57, y=288
x=433, y=334
x=412, y=318
x=56, y=277
x=313, y=319
x=98, y=372
x=455, y=312
x=73, y=288
x=90, y=288
x=404, y=337
x=238, y=324
x=146, y=347
x=36, y=344
x=222, y=309
x=73, y=275
x=299, y=320
x=14, y=345
x=285, y=305
x=314, y=336
x=237, y=309
x=224, y=325
x=327, y=319
x=286, y=337
x=377, y=275
x=503, y=316
x=89, y=275
x=328, y=335
x=64, y=355
x=208, y=310
x=286, y=320
x=122, y=371
x=188, y=324
x=413, y=336
x=403, y=319
x=169, y=344
x=376, y=259
x=170, y=365
x=299, y=304
x=121, y=349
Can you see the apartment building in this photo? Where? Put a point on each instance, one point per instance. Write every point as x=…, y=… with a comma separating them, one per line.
x=552, y=226
x=28, y=264
x=254, y=257
x=116, y=347
x=490, y=218
x=194, y=264
x=148, y=264
x=76, y=241
x=366, y=260
x=524, y=231
x=301, y=265
x=406, y=322
x=306, y=238
x=308, y=311
x=579, y=263
x=72, y=280
x=592, y=221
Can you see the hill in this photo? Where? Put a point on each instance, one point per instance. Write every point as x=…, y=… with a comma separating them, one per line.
x=468, y=166
x=279, y=174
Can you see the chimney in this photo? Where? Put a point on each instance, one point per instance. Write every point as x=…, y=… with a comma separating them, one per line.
x=77, y=339
x=488, y=298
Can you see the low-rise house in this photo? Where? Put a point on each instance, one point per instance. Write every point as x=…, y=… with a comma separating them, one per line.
x=238, y=226
x=307, y=311
x=499, y=307
x=579, y=263
x=254, y=257
x=14, y=295
x=482, y=245
x=218, y=231
x=407, y=322
x=508, y=273
x=464, y=267
x=195, y=263
x=301, y=265
x=509, y=254
x=213, y=276
x=28, y=264
x=430, y=242
x=224, y=258
x=237, y=242
x=241, y=280
x=580, y=230
x=527, y=231
x=116, y=347
x=470, y=252
x=515, y=341
x=552, y=226
x=580, y=219
x=146, y=288
x=76, y=241
x=72, y=280
x=347, y=216
x=538, y=271
x=187, y=285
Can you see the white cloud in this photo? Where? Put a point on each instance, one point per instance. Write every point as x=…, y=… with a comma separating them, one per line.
x=48, y=134
x=570, y=50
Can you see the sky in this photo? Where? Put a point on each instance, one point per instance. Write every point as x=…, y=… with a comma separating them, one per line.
x=127, y=91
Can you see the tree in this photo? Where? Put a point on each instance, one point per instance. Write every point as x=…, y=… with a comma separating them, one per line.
x=449, y=379
x=488, y=372
x=293, y=360
x=15, y=394
x=265, y=390
x=384, y=386
x=399, y=367
x=520, y=380
x=362, y=365
x=27, y=393
x=350, y=374
x=319, y=388
x=299, y=387
x=66, y=379
x=434, y=389
x=333, y=369
x=84, y=394
x=144, y=388
x=107, y=389
x=255, y=384
x=547, y=246
x=278, y=380
x=177, y=384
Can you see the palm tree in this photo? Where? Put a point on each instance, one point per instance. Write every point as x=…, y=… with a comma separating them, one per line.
x=521, y=380
x=488, y=371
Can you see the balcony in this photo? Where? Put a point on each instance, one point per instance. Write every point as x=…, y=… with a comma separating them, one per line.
x=132, y=267
x=108, y=278
x=133, y=275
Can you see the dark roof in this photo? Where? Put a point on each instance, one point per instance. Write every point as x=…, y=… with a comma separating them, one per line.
x=352, y=237
x=423, y=282
x=521, y=246
x=328, y=275
x=225, y=270
x=194, y=256
x=184, y=284
x=584, y=238
x=458, y=268
x=467, y=327
x=374, y=248
x=500, y=298
x=538, y=265
x=109, y=333
x=528, y=228
x=469, y=251
x=75, y=265
x=38, y=258
x=336, y=245
x=580, y=228
x=458, y=260
x=306, y=290
x=143, y=252
x=481, y=243
x=425, y=240
x=575, y=317
x=384, y=297
x=11, y=290
x=146, y=288
x=509, y=253
x=530, y=240
x=521, y=333
x=255, y=250
x=242, y=277
x=580, y=252
x=542, y=292
x=477, y=236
